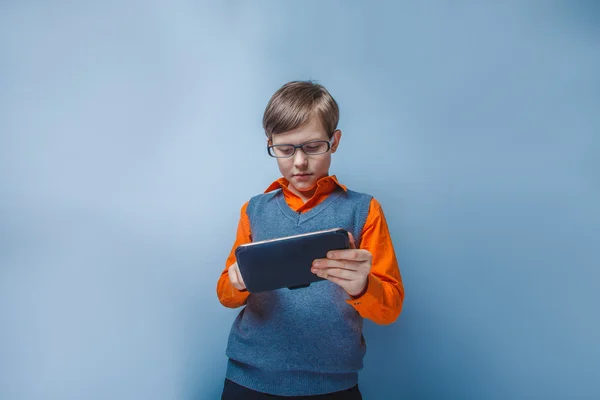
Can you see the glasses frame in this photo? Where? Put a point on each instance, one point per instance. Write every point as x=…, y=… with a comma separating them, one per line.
x=300, y=146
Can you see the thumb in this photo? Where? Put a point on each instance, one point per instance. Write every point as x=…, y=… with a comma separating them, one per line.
x=352, y=244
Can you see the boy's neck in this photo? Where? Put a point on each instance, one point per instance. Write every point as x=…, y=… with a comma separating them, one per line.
x=304, y=196
x=307, y=195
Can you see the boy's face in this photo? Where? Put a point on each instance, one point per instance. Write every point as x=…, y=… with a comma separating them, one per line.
x=301, y=170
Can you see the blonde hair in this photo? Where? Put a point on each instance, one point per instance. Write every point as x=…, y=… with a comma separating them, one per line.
x=294, y=103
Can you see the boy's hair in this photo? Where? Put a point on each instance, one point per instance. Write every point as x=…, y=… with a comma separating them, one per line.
x=294, y=103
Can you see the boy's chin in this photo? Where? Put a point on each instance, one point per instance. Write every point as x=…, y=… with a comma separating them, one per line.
x=304, y=186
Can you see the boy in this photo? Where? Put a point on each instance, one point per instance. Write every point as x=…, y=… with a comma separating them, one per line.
x=308, y=342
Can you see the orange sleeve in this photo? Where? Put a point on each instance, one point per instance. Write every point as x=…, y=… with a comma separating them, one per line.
x=228, y=295
x=382, y=301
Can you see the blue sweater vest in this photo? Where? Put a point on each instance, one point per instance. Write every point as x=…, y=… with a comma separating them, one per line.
x=305, y=341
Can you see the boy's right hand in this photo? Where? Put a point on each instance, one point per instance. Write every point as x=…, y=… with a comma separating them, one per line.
x=235, y=277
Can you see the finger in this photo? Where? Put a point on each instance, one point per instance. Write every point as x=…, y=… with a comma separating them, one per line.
x=240, y=278
x=340, y=273
x=351, y=237
x=339, y=281
x=326, y=263
x=235, y=278
x=350, y=255
x=344, y=264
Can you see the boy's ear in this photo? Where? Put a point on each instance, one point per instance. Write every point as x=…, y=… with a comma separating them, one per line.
x=337, y=136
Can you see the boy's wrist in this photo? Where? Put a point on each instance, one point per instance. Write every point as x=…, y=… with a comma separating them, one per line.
x=363, y=291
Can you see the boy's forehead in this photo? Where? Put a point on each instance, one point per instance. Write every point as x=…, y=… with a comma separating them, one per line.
x=313, y=130
x=297, y=137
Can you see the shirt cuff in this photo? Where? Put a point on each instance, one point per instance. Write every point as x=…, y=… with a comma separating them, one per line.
x=236, y=298
x=371, y=296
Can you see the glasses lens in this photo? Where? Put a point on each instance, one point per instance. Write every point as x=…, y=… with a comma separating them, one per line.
x=282, y=150
x=316, y=147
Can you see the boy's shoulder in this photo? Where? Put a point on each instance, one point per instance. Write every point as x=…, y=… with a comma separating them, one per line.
x=265, y=195
x=358, y=193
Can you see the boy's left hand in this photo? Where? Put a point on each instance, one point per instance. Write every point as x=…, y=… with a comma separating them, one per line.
x=348, y=268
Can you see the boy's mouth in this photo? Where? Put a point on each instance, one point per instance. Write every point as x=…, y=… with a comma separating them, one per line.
x=302, y=176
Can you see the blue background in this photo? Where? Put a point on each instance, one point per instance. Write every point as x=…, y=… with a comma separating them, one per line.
x=130, y=136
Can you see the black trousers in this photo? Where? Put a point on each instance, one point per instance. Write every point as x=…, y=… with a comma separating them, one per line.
x=233, y=391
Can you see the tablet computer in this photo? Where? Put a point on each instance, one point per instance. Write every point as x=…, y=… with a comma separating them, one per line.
x=286, y=262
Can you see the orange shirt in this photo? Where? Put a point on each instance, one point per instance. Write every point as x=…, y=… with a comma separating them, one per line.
x=382, y=301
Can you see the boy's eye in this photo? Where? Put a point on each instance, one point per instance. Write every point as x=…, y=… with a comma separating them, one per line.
x=314, y=147
x=285, y=149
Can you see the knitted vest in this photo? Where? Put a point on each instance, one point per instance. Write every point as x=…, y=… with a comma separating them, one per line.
x=303, y=341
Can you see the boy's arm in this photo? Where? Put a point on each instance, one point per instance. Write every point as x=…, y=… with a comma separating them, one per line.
x=228, y=295
x=384, y=295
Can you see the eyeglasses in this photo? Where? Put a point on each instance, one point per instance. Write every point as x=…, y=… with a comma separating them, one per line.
x=309, y=148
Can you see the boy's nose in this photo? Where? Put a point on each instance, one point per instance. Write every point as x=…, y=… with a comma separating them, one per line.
x=300, y=159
